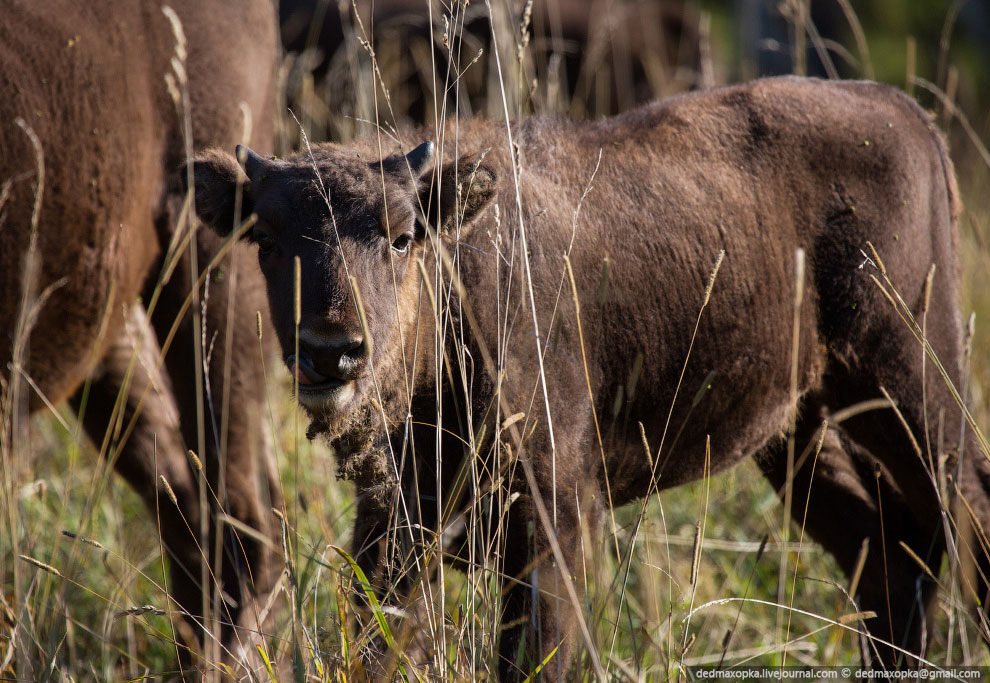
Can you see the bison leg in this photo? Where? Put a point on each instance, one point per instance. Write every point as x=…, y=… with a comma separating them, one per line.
x=918, y=462
x=875, y=355
x=227, y=428
x=373, y=531
x=370, y=531
x=153, y=458
x=538, y=610
x=852, y=504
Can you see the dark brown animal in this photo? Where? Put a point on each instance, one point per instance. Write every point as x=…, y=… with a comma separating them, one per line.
x=84, y=292
x=589, y=58
x=762, y=171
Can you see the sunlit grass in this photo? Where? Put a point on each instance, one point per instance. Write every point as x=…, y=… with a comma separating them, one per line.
x=88, y=618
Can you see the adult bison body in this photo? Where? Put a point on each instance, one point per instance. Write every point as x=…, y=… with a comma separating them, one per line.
x=97, y=272
x=459, y=259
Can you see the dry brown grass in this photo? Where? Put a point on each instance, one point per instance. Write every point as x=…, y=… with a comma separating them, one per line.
x=686, y=578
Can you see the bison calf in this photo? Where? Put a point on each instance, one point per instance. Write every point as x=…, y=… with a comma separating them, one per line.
x=460, y=264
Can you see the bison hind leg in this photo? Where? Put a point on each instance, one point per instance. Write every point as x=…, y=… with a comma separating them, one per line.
x=850, y=503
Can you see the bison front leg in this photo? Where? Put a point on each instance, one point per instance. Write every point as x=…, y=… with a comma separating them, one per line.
x=226, y=426
x=141, y=438
x=370, y=534
x=541, y=589
x=388, y=564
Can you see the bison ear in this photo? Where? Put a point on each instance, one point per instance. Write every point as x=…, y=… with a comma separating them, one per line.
x=217, y=178
x=466, y=188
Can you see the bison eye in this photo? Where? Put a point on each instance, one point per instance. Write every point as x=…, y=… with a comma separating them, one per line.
x=401, y=244
x=265, y=242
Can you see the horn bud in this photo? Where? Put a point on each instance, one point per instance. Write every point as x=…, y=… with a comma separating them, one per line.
x=253, y=164
x=420, y=158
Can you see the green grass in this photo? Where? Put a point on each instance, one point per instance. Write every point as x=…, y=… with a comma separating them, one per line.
x=641, y=610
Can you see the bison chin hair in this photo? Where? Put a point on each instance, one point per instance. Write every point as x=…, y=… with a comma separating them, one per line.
x=359, y=437
x=360, y=443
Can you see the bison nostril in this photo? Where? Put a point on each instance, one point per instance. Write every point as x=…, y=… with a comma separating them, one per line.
x=351, y=346
x=350, y=360
x=334, y=357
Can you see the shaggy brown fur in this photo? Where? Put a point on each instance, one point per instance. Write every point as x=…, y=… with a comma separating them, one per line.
x=758, y=170
x=88, y=79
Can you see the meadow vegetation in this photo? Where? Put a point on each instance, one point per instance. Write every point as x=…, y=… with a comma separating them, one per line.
x=692, y=579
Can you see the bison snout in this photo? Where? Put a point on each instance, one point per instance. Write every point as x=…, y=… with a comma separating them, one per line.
x=325, y=358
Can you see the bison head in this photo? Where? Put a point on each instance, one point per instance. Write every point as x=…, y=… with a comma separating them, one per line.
x=357, y=228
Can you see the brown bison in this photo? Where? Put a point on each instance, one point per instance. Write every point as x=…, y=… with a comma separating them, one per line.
x=590, y=58
x=461, y=256
x=97, y=271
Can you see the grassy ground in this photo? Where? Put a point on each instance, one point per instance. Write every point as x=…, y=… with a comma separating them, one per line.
x=694, y=583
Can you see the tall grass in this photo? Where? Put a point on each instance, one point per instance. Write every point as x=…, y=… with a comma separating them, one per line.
x=710, y=573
